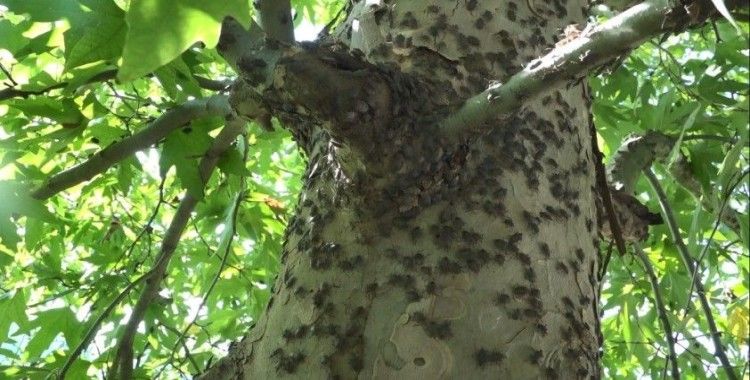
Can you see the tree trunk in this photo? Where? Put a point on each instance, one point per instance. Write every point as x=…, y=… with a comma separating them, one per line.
x=412, y=256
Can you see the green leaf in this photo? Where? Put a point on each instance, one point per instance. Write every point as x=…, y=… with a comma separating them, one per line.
x=51, y=323
x=63, y=111
x=14, y=311
x=159, y=31
x=182, y=149
x=11, y=37
x=231, y=162
x=16, y=202
x=98, y=38
x=728, y=168
x=685, y=126
x=46, y=10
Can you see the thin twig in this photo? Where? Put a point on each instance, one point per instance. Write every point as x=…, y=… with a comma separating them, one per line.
x=234, y=210
x=605, y=262
x=689, y=263
x=724, y=139
x=704, y=251
x=13, y=92
x=95, y=326
x=660, y=309
x=7, y=74
x=185, y=348
x=603, y=189
x=122, y=366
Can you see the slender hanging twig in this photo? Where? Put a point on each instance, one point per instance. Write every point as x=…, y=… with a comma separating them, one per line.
x=660, y=309
x=689, y=263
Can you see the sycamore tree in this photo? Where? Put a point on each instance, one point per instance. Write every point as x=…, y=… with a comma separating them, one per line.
x=420, y=190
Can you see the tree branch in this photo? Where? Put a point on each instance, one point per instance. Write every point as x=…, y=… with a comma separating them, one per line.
x=638, y=152
x=212, y=84
x=91, y=333
x=635, y=154
x=276, y=19
x=216, y=105
x=276, y=79
x=122, y=367
x=573, y=60
x=660, y=309
x=235, y=41
x=225, y=244
x=690, y=265
x=13, y=92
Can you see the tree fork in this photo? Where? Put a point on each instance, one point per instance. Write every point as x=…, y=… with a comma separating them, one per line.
x=477, y=255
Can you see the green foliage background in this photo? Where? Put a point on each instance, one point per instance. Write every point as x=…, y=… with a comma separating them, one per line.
x=64, y=261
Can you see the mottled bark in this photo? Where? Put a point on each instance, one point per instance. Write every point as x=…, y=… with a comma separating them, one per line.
x=413, y=257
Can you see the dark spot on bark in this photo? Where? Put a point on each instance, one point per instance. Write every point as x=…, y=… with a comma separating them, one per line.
x=415, y=234
x=293, y=334
x=566, y=334
x=356, y=362
x=523, y=258
x=583, y=300
x=515, y=314
x=402, y=280
x=501, y=299
x=448, y=266
x=519, y=290
x=433, y=329
x=321, y=295
x=567, y=302
x=484, y=357
x=550, y=373
x=413, y=261
x=529, y=274
x=544, y=250
x=287, y=362
x=532, y=313
x=541, y=329
x=431, y=288
x=579, y=254
x=536, y=356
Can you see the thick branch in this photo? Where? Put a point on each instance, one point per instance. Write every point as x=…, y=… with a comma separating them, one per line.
x=639, y=152
x=574, y=60
x=636, y=153
x=122, y=367
x=217, y=105
x=235, y=41
x=285, y=80
x=276, y=19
